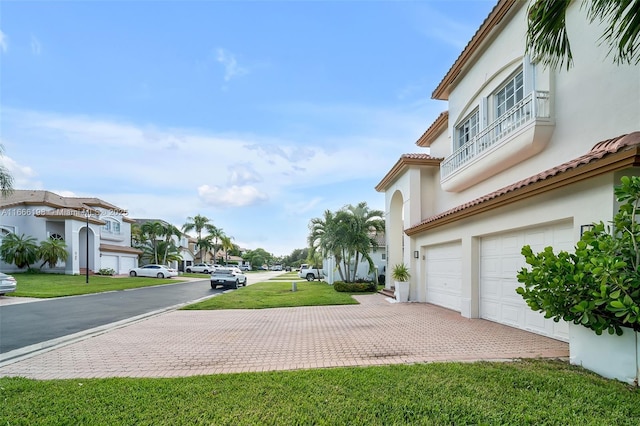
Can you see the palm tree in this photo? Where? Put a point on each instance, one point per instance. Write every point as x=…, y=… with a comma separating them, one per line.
x=216, y=234
x=364, y=226
x=204, y=245
x=19, y=250
x=6, y=180
x=325, y=239
x=547, y=37
x=347, y=235
x=51, y=251
x=199, y=223
x=227, y=245
x=170, y=231
x=152, y=230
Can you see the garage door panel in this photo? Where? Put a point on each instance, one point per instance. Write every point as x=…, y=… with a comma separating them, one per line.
x=511, y=315
x=500, y=262
x=443, y=266
x=491, y=265
x=126, y=264
x=107, y=262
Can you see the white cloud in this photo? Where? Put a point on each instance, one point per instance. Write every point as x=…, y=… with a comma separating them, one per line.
x=23, y=176
x=243, y=174
x=231, y=67
x=36, y=46
x=232, y=196
x=4, y=43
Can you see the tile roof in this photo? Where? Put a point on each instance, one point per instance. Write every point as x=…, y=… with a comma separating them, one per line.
x=484, y=33
x=629, y=143
x=402, y=164
x=438, y=126
x=48, y=198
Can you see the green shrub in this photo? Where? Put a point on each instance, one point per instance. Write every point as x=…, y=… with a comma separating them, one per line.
x=598, y=286
x=362, y=287
x=106, y=271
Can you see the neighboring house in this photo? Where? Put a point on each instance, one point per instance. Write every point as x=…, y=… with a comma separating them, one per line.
x=523, y=155
x=97, y=233
x=378, y=255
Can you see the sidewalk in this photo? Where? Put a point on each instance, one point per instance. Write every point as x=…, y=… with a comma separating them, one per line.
x=376, y=332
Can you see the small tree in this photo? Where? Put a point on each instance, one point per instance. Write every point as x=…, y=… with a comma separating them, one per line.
x=21, y=251
x=51, y=251
x=598, y=286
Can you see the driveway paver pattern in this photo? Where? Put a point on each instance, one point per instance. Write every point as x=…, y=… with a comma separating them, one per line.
x=375, y=332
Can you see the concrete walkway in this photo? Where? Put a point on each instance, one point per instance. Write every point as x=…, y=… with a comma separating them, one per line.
x=376, y=332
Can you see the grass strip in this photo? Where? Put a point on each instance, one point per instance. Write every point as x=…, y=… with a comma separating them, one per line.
x=528, y=392
x=58, y=285
x=272, y=294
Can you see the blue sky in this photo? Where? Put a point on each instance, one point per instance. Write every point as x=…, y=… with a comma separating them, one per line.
x=259, y=115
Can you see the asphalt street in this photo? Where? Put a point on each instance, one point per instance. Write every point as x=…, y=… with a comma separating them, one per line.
x=27, y=324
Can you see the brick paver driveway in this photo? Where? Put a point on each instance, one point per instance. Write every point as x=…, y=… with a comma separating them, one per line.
x=376, y=332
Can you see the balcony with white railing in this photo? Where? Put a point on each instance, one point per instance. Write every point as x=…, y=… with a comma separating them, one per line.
x=525, y=128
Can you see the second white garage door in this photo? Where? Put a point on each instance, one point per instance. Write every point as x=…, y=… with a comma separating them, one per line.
x=500, y=261
x=443, y=264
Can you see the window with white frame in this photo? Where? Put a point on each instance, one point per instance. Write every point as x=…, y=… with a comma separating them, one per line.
x=509, y=95
x=467, y=129
x=111, y=226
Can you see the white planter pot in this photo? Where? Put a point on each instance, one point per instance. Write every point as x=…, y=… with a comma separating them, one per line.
x=402, y=291
x=611, y=356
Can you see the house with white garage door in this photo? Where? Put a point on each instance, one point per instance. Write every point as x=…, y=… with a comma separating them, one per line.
x=97, y=234
x=523, y=154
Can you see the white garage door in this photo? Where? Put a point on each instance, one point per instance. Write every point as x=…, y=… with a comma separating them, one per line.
x=126, y=263
x=108, y=261
x=500, y=262
x=443, y=264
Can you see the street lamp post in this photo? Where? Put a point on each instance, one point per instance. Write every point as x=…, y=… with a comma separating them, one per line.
x=87, y=264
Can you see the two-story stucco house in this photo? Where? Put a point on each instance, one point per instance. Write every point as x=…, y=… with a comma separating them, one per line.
x=522, y=155
x=97, y=234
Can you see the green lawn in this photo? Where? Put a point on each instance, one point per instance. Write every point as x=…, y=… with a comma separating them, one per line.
x=57, y=285
x=486, y=393
x=272, y=294
x=533, y=392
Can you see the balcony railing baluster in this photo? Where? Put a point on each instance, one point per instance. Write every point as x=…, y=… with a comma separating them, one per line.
x=533, y=106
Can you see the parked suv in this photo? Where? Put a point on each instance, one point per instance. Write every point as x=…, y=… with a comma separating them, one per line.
x=228, y=278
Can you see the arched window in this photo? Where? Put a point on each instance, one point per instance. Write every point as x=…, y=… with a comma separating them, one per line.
x=57, y=237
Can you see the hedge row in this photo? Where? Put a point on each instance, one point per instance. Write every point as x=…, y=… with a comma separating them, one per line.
x=363, y=287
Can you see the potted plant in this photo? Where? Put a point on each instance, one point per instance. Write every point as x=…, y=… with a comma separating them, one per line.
x=401, y=276
x=595, y=289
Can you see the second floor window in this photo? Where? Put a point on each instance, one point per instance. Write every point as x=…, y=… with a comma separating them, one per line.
x=111, y=226
x=509, y=95
x=467, y=130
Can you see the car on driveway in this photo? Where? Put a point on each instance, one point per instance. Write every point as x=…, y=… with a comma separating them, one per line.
x=228, y=278
x=153, y=271
x=204, y=268
x=8, y=284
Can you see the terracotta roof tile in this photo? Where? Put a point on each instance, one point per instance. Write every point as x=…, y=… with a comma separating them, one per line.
x=401, y=165
x=599, y=150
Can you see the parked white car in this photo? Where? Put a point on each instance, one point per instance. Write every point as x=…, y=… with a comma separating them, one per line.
x=153, y=271
x=203, y=268
x=8, y=284
x=228, y=278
